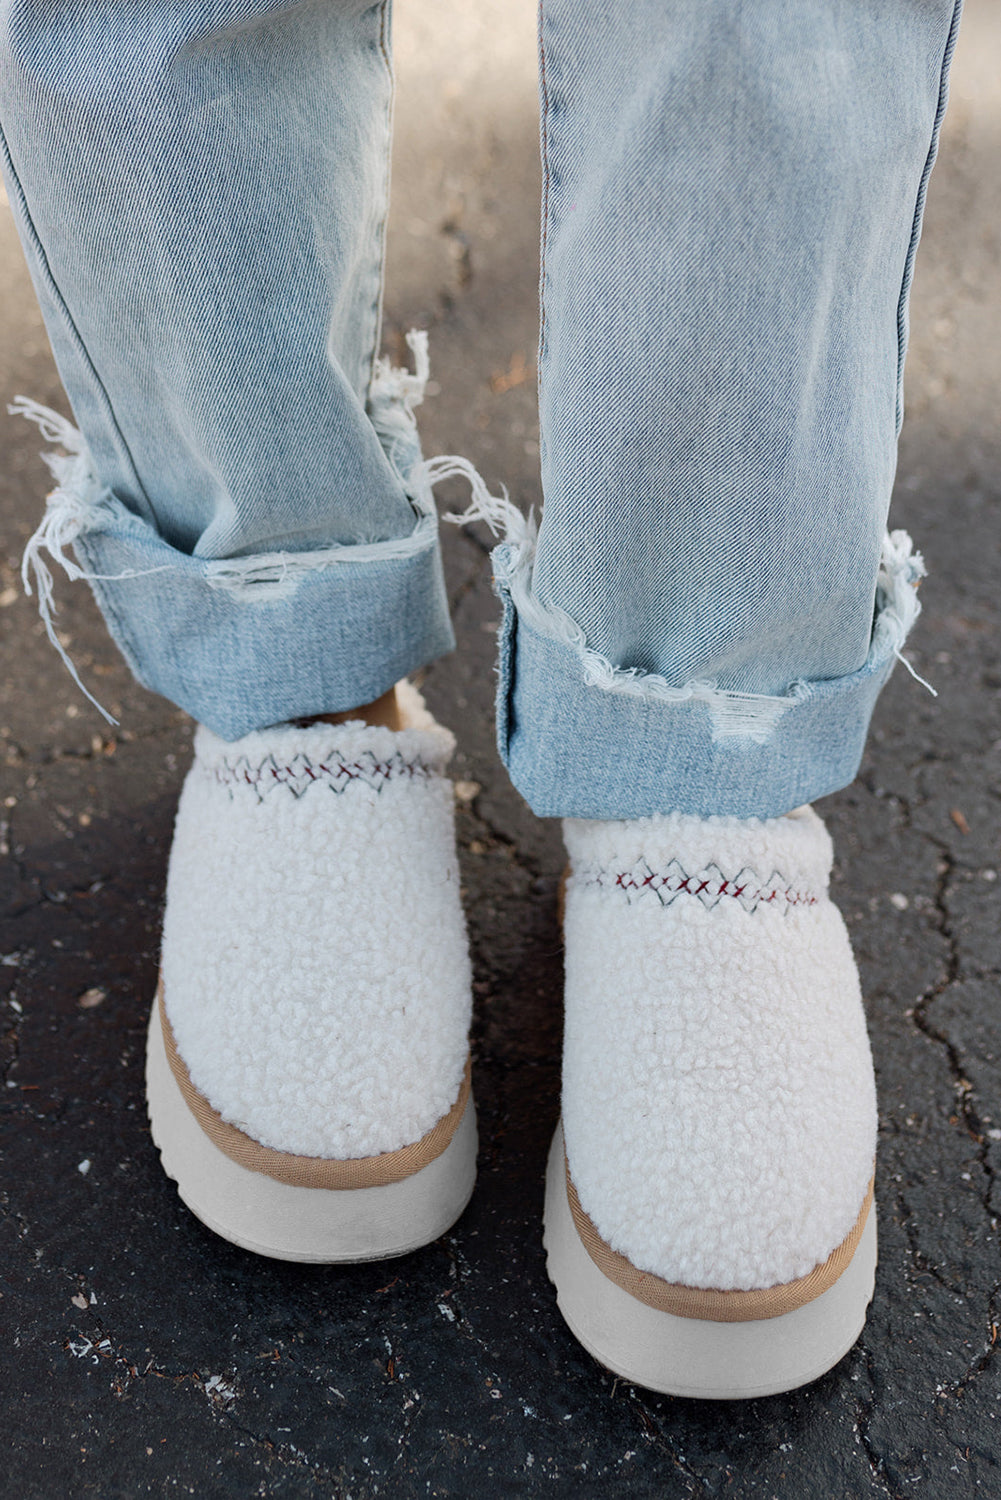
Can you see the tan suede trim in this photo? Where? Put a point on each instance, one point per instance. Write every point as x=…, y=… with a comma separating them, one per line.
x=708, y=1304
x=311, y=1171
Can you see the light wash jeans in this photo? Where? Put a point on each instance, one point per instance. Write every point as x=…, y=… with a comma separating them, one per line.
x=732, y=201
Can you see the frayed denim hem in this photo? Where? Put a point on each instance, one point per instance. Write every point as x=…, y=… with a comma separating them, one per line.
x=242, y=643
x=584, y=738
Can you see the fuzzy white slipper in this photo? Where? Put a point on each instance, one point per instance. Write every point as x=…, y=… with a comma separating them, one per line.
x=308, y=1070
x=718, y=1106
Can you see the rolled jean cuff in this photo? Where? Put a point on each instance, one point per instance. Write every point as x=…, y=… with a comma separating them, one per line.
x=242, y=643
x=249, y=642
x=582, y=738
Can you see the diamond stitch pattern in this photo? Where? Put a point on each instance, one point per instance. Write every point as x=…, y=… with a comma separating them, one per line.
x=336, y=772
x=709, y=885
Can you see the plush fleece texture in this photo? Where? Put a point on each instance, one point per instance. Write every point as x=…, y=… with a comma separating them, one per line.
x=718, y=1097
x=315, y=962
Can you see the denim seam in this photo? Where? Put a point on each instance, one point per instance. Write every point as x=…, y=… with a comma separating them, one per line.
x=76, y=338
x=379, y=267
x=919, y=204
x=544, y=154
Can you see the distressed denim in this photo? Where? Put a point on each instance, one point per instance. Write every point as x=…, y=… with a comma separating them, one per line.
x=732, y=202
x=201, y=191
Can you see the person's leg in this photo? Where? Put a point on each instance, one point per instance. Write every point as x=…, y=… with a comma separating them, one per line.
x=201, y=194
x=694, y=642
x=731, y=205
x=201, y=190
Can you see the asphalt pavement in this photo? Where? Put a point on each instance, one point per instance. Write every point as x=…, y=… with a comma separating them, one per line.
x=139, y=1355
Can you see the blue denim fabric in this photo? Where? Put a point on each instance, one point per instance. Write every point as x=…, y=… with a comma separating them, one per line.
x=201, y=192
x=732, y=200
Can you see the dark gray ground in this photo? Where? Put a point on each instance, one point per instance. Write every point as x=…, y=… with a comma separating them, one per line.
x=139, y=1354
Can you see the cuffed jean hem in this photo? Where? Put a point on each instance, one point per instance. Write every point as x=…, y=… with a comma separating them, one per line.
x=581, y=738
x=245, y=642
x=300, y=634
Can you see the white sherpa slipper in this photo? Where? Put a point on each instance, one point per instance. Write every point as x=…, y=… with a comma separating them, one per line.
x=308, y=1058
x=709, y=1221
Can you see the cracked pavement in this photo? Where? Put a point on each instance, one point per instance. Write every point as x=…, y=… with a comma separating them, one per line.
x=140, y=1355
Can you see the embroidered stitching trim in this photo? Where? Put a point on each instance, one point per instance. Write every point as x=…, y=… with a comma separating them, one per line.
x=336, y=772
x=708, y=885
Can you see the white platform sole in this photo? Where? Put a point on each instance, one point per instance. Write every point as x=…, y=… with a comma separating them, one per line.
x=321, y=1225
x=687, y=1356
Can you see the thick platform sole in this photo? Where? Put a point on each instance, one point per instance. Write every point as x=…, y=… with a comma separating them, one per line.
x=688, y=1356
x=320, y=1225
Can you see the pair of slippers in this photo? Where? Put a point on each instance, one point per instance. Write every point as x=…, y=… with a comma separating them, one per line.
x=708, y=1219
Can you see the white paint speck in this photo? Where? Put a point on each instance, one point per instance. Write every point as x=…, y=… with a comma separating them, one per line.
x=899, y=900
x=83, y=1167
x=218, y=1390
x=446, y=1311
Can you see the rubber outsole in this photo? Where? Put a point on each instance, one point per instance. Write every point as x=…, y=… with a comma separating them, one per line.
x=689, y=1356
x=318, y=1225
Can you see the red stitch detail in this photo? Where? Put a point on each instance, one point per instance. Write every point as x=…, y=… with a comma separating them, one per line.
x=694, y=885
